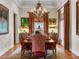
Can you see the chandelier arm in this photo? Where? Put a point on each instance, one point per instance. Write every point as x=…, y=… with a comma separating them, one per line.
x=39, y=11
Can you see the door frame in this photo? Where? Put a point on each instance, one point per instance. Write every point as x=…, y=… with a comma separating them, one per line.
x=66, y=24
x=14, y=28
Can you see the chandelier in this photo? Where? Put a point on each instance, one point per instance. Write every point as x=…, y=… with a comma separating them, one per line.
x=39, y=10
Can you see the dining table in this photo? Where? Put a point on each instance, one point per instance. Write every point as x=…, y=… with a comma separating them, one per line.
x=28, y=44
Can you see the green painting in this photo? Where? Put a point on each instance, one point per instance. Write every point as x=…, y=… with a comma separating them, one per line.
x=25, y=22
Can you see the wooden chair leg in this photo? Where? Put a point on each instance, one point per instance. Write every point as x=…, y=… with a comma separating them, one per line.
x=21, y=52
x=44, y=57
x=46, y=52
x=31, y=53
x=55, y=51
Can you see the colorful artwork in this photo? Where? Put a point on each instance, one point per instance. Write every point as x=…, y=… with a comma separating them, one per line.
x=4, y=24
x=52, y=21
x=39, y=26
x=25, y=22
x=52, y=25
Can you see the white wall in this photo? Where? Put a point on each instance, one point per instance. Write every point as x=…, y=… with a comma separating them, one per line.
x=7, y=40
x=74, y=39
x=24, y=12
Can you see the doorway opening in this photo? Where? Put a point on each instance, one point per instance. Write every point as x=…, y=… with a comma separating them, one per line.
x=63, y=15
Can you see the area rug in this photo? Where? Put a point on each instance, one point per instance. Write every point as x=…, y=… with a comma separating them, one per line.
x=17, y=55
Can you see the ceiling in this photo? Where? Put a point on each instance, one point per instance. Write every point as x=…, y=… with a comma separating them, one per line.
x=32, y=3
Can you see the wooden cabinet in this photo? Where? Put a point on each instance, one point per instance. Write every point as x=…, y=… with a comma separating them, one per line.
x=33, y=19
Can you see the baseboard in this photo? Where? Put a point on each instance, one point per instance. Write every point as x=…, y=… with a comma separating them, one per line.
x=75, y=53
x=7, y=49
x=4, y=51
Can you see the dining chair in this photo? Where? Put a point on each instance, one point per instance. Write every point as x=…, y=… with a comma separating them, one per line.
x=52, y=46
x=38, y=45
x=24, y=46
x=39, y=54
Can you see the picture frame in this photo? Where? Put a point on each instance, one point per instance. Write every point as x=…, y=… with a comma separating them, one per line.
x=24, y=22
x=52, y=24
x=52, y=21
x=4, y=20
x=77, y=17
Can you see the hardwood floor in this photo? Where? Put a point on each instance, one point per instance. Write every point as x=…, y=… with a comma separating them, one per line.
x=68, y=54
x=11, y=50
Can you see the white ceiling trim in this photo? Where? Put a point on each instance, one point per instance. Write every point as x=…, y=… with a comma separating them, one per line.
x=38, y=0
x=32, y=3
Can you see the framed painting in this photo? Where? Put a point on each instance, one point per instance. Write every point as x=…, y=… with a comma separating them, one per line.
x=52, y=25
x=52, y=21
x=77, y=17
x=25, y=22
x=4, y=20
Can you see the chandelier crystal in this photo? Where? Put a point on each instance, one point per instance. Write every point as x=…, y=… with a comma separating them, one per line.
x=39, y=10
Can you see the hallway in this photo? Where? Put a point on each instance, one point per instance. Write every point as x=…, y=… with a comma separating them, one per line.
x=59, y=17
